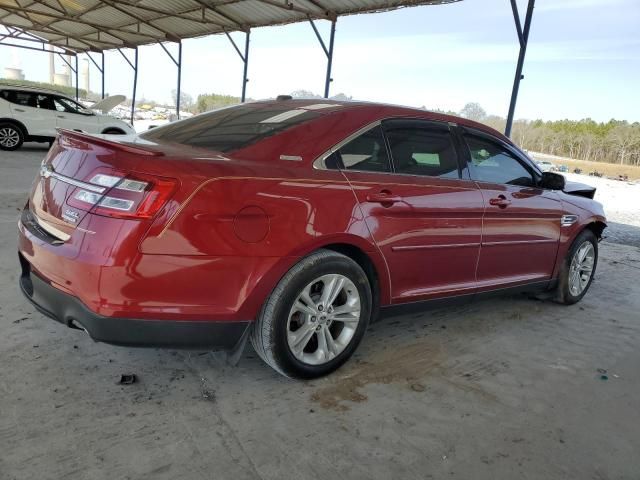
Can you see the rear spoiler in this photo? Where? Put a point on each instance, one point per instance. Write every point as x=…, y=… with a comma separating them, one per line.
x=114, y=145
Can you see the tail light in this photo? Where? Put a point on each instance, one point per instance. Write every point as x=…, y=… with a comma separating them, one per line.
x=132, y=196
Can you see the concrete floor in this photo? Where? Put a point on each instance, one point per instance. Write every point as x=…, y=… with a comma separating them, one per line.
x=507, y=388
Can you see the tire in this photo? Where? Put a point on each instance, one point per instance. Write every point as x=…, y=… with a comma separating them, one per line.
x=11, y=136
x=113, y=131
x=281, y=323
x=568, y=292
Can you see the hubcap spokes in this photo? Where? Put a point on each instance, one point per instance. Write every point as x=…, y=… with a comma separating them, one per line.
x=323, y=319
x=9, y=137
x=581, y=268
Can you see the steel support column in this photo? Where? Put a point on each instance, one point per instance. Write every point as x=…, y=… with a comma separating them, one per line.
x=73, y=69
x=134, y=66
x=178, y=63
x=327, y=51
x=245, y=59
x=523, y=37
x=77, y=82
x=100, y=69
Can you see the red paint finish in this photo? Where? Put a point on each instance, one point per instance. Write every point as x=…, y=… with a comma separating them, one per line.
x=234, y=222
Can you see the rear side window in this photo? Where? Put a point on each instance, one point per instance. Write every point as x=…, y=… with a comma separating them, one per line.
x=366, y=153
x=492, y=163
x=423, y=150
x=26, y=99
x=233, y=128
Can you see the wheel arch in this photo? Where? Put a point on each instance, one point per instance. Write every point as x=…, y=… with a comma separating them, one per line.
x=358, y=249
x=113, y=130
x=597, y=226
x=17, y=123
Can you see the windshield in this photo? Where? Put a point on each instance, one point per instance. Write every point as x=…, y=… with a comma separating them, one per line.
x=67, y=105
x=235, y=127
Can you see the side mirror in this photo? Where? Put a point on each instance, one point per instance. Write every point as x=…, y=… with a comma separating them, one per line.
x=552, y=181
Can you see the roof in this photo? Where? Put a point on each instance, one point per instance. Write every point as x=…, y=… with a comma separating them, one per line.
x=28, y=88
x=96, y=25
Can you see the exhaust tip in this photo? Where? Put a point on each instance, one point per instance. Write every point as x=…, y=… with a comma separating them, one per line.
x=72, y=323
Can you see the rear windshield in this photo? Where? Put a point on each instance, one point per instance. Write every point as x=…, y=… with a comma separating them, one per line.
x=235, y=127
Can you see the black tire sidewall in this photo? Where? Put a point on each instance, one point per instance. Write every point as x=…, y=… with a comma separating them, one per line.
x=585, y=235
x=20, y=134
x=281, y=351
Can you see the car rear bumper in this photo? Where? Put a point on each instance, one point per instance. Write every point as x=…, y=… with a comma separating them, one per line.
x=70, y=311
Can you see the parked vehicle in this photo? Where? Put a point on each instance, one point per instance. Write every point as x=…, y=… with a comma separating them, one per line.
x=29, y=114
x=563, y=169
x=545, y=166
x=294, y=223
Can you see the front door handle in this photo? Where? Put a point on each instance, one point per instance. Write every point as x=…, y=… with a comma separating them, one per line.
x=501, y=202
x=385, y=198
x=61, y=116
x=19, y=110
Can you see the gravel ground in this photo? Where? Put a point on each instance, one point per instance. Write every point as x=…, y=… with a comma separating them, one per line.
x=506, y=388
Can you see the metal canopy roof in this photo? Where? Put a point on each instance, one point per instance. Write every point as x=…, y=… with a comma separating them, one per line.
x=96, y=25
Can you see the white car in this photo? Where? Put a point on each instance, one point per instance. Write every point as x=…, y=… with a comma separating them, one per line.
x=30, y=114
x=546, y=166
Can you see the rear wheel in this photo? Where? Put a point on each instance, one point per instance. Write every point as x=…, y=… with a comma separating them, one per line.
x=578, y=268
x=316, y=316
x=11, y=136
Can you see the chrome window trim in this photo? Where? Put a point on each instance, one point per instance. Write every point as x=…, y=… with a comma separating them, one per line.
x=319, y=164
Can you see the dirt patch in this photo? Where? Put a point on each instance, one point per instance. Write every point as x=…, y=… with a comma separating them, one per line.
x=402, y=364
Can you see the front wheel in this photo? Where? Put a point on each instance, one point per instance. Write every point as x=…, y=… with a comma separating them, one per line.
x=578, y=268
x=315, y=317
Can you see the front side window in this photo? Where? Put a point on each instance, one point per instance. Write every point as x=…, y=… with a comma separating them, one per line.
x=423, y=150
x=366, y=152
x=492, y=163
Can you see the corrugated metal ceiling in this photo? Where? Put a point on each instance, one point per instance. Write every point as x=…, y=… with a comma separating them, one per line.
x=95, y=25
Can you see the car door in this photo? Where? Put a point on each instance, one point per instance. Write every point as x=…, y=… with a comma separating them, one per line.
x=25, y=107
x=425, y=218
x=69, y=116
x=521, y=222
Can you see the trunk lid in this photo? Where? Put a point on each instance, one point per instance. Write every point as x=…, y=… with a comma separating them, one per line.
x=71, y=165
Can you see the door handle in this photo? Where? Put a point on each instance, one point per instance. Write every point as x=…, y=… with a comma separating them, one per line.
x=19, y=110
x=501, y=202
x=61, y=116
x=385, y=198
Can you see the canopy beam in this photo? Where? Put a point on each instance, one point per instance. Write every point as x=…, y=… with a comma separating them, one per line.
x=327, y=51
x=523, y=37
x=178, y=63
x=134, y=65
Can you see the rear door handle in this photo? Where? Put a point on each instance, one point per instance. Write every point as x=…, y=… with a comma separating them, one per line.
x=61, y=116
x=385, y=198
x=501, y=202
x=19, y=110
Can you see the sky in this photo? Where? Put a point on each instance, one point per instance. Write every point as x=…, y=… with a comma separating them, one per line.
x=583, y=60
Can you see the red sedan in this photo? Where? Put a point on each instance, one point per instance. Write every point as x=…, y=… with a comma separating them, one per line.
x=293, y=223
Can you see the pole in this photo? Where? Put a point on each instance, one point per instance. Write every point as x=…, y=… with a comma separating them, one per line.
x=246, y=65
x=179, y=79
x=523, y=51
x=135, y=84
x=328, y=79
x=102, y=71
x=77, y=86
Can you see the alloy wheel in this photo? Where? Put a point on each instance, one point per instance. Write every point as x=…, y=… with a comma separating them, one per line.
x=9, y=137
x=581, y=268
x=323, y=319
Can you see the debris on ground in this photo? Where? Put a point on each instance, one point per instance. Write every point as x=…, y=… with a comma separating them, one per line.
x=127, y=379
